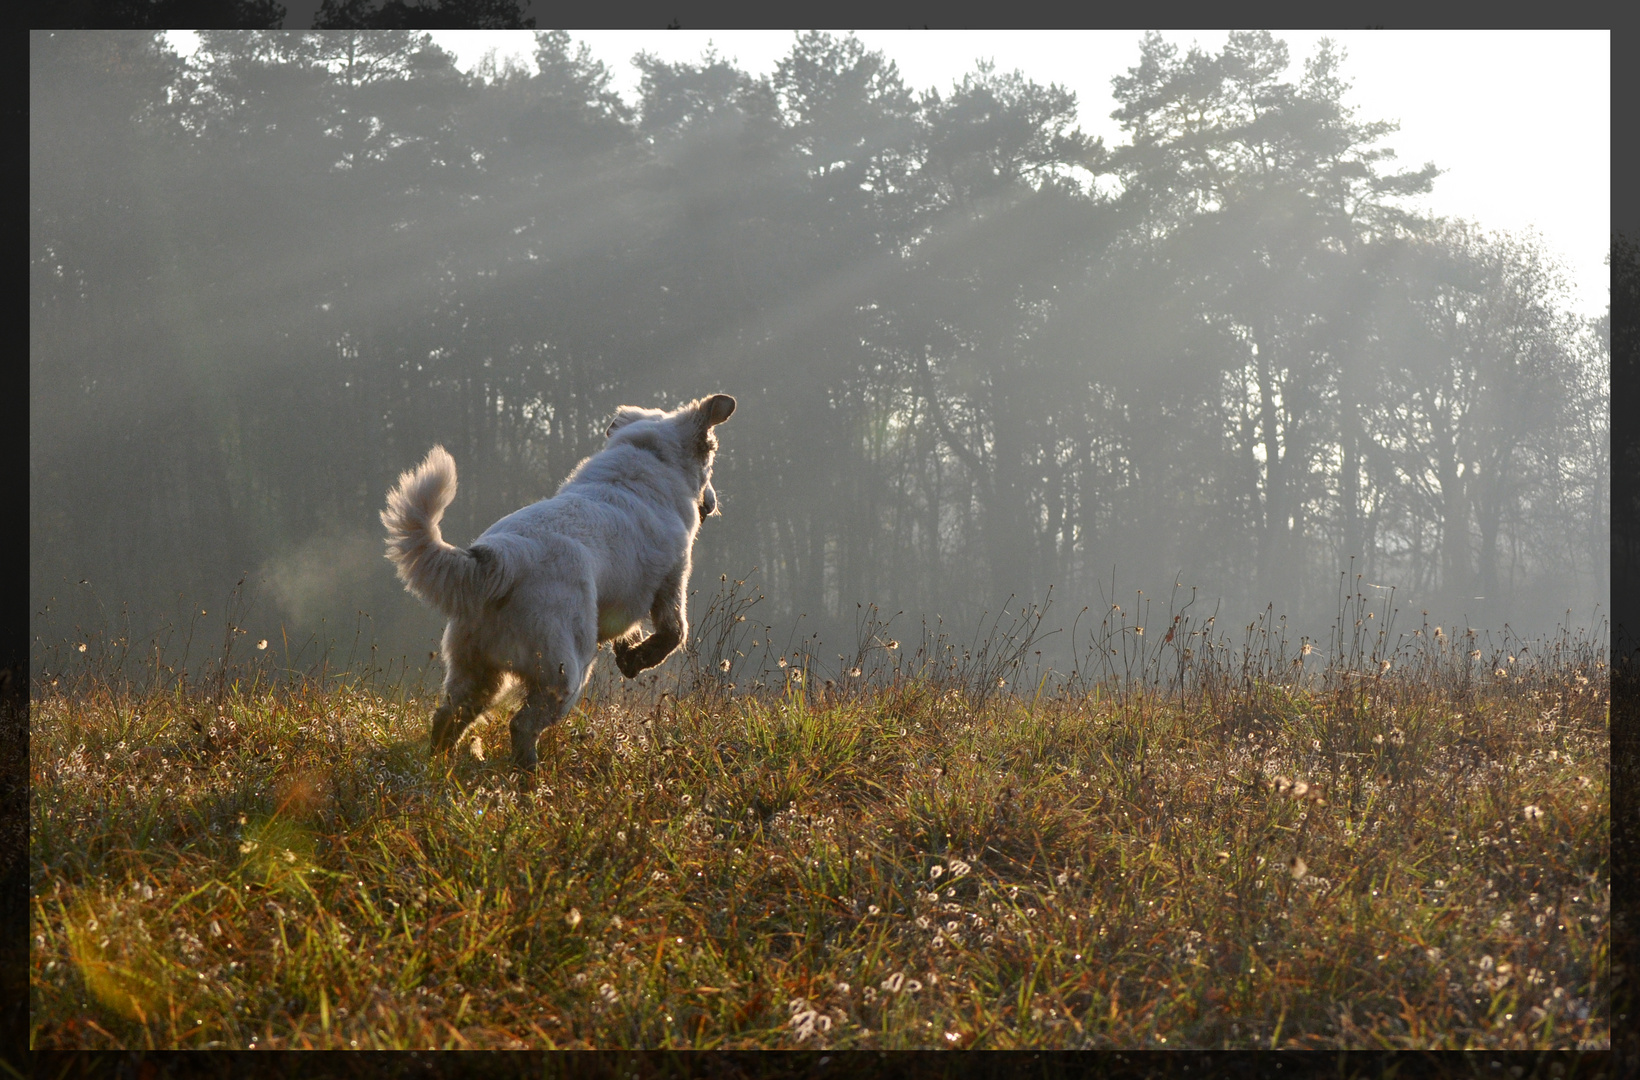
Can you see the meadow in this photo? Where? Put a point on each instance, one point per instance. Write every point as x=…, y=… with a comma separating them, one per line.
x=1385, y=840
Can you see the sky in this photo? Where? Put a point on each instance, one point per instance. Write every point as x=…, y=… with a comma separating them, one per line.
x=1520, y=121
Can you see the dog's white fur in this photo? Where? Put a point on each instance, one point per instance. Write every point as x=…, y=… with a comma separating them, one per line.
x=541, y=588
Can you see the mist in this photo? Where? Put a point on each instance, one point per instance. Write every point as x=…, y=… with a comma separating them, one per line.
x=982, y=361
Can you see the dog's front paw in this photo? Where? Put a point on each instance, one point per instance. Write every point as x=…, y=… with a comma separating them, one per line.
x=628, y=660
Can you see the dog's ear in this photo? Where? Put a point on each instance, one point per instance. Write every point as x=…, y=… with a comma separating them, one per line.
x=717, y=409
x=623, y=416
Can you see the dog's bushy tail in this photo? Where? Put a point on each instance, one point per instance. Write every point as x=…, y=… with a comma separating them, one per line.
x=452, y=579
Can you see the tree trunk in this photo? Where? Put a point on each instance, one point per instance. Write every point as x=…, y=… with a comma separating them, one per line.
x=1272, y=537
x=1009, y=538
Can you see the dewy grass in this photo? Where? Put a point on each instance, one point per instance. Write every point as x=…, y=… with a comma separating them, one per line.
x=1223, y=852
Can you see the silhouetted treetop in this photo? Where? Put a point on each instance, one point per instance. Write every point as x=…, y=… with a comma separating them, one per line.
x=426, y=15
x=159, y=14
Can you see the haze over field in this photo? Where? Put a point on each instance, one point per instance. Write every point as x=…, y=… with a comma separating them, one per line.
x=978, y=353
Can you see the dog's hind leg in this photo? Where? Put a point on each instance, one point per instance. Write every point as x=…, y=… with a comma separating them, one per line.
x=468, y=691
x=551, y=696
x=542, y=708
x=557, y=674
x=465, y=701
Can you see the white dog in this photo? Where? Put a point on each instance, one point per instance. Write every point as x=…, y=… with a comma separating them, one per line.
x=537, y=593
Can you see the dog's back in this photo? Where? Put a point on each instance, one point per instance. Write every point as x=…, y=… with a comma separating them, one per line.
x=634, y=509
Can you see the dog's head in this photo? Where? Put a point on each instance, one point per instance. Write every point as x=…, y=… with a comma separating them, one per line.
x=682, y=438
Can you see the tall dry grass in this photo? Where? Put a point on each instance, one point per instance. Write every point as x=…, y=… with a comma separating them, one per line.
x=1194, y=838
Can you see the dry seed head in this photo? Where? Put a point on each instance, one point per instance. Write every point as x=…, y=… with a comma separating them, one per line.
x=1532, y=811
x=1296, y=867
x=573, y=917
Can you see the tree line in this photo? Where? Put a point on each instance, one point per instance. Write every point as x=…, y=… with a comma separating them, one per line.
x=978, y=354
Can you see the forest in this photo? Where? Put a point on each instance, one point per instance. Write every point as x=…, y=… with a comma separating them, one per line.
x=982, y=359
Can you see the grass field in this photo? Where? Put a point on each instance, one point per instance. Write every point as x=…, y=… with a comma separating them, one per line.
x=1193, y=846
